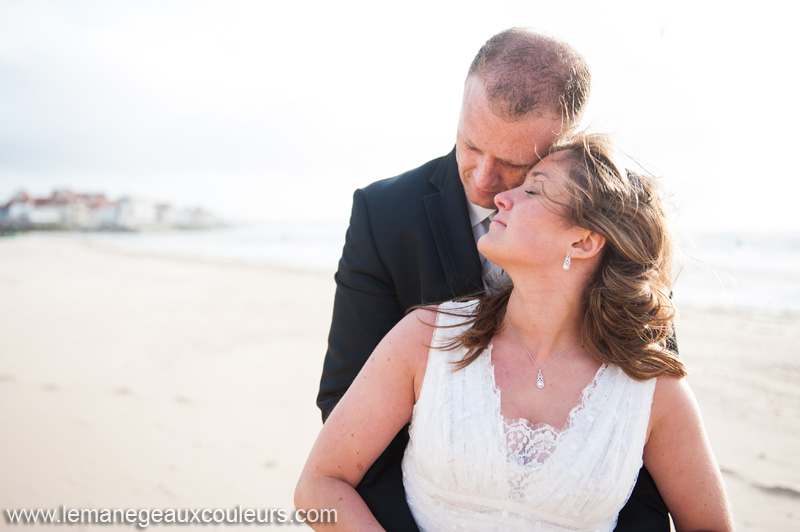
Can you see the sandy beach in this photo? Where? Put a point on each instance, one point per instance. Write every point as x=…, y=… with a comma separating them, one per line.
x=135, y=381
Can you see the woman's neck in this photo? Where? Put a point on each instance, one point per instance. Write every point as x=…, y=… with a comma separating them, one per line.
x=547, y=320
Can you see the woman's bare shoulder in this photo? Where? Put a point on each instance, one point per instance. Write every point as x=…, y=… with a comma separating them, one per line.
x=411, y=337
x=674, y=403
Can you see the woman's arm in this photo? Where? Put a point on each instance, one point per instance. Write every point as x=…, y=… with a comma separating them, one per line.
x=679, y=457
x=376, y=406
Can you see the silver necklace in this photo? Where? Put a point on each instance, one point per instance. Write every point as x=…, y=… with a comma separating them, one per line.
x=540, y=378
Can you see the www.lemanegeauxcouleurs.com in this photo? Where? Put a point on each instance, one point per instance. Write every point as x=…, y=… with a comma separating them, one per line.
x=145, y=517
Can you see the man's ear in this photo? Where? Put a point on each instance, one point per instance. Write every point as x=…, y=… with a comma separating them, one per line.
x=589, y=245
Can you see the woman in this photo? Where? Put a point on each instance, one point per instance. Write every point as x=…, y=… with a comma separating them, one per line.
x=534, y=409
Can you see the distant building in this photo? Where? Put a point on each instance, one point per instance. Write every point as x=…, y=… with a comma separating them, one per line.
x=65, y=209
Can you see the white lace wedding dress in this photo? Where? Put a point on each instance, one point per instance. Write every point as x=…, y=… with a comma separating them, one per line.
x=468, y=468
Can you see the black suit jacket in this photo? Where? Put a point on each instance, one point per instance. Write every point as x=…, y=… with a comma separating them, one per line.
x=410, y=241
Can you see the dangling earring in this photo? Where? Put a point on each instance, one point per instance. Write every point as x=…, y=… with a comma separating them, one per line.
x=567, y=261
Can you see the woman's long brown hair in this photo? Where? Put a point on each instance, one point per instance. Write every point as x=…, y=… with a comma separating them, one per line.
x=627, y=310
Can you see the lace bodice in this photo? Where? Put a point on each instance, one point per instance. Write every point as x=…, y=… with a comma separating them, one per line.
x=468, y=468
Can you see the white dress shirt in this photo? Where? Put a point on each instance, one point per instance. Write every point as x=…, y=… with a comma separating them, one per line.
x=494, y=277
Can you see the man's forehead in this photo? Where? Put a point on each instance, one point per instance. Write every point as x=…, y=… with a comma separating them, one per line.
x=519, y=145
x=519, y=142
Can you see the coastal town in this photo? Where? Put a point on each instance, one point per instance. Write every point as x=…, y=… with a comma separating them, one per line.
x=68, y=210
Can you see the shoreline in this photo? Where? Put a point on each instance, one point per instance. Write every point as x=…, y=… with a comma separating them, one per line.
x=139, y=380
x=725, y=289
x=90, y=241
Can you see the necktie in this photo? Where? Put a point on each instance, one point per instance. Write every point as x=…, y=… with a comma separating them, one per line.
x=494, y=277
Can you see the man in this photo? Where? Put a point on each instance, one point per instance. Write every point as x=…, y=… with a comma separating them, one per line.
x=412, y=238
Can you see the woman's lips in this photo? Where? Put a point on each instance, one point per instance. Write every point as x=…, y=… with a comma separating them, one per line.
x=497, y=220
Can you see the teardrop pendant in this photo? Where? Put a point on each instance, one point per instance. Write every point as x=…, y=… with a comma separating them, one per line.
x=540, y=380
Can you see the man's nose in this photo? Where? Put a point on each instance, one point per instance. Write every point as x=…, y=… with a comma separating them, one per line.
x=486, y=173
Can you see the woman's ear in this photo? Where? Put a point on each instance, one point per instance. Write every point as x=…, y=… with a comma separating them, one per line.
x=589, y=245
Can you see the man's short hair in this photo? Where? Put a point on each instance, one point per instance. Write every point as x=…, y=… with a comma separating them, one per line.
x=526, y=72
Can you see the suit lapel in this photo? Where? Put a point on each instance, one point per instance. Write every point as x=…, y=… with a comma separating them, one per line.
x=449, y=222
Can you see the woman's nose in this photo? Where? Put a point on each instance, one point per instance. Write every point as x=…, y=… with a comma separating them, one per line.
x=503, y=200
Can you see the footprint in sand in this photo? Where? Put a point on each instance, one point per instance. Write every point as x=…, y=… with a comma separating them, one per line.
x=781, y=491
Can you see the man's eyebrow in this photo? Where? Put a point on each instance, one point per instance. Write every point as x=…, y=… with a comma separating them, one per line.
x=506, y=162
x=464, y=138
x=510, y=163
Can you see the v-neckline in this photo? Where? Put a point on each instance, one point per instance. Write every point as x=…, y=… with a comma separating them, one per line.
x=585, y=395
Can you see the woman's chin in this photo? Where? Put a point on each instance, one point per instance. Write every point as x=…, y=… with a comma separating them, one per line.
x=493, y=255
x=486, y=245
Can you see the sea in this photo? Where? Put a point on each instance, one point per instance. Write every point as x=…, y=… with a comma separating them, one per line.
x=743, y=273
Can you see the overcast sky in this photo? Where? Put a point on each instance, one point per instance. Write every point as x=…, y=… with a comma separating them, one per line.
x=281, y=109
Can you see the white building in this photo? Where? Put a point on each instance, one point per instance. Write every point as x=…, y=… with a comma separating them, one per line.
x=65, y=209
